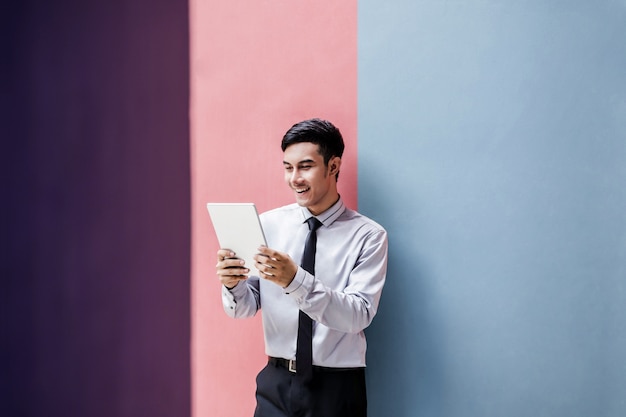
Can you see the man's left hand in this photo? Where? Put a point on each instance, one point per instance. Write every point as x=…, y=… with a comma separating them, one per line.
x=275, y=266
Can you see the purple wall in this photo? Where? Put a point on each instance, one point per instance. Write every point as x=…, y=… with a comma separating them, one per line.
x=96, y=223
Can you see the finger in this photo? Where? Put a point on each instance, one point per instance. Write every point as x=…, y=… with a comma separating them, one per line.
x=264, y=250
x=234, y=277
x=271, y=266
x=233, y=272
x=230, y=263
x=260, y=258
x=232, y=267
x=224, y=254
x=265, y=269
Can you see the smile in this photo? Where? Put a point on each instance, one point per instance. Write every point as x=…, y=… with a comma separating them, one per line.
x=301, y=190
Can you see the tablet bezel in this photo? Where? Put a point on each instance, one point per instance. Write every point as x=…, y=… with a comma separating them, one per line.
x=238, y=228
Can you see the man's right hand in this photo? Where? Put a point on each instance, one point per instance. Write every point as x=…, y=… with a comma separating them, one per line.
x=230, y=269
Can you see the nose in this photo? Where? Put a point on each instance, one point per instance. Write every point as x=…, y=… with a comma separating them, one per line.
x=295, y=175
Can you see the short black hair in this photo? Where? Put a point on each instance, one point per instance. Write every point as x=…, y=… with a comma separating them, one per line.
x=320, y=132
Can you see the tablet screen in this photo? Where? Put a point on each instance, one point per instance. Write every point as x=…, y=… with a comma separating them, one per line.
x=238, y=228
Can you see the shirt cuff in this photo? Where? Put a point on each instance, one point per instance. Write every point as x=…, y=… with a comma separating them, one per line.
x=299, y=286
x=229, y=295
x=228, y=300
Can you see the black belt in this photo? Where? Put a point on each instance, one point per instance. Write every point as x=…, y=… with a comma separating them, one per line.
x=290, y=365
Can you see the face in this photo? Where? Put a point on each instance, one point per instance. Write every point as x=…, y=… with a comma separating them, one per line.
x=313, y=183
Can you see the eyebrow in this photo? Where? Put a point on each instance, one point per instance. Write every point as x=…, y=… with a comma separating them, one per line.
x=304, y=161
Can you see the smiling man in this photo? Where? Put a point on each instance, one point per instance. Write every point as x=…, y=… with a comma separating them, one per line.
x=320, y=280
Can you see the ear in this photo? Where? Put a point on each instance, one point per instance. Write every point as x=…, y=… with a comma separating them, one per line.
x=334, y=165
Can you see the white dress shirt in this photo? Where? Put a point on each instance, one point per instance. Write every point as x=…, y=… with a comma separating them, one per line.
x=342, y=297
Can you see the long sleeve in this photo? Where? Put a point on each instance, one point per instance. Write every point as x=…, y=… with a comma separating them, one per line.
x=243, y=300
x=351, y=307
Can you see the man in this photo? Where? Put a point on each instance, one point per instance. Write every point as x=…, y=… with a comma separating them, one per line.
x=339, y=290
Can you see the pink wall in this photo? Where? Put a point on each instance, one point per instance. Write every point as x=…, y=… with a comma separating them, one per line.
x=256, y=68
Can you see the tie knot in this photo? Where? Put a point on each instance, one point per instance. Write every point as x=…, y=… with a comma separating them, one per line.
x=313, y=223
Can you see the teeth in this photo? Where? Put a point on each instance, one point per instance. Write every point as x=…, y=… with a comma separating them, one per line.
x=301, y=190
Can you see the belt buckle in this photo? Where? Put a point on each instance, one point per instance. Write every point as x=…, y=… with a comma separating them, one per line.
x=292, y=365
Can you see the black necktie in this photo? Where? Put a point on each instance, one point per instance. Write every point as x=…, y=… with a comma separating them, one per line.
x=304, y=348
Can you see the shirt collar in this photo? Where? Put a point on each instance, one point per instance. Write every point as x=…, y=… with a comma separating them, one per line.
x=329, y=216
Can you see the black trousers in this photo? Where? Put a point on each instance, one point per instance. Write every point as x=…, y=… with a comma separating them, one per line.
x=330, y=394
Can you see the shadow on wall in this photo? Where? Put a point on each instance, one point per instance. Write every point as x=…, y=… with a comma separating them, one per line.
x=404, y=343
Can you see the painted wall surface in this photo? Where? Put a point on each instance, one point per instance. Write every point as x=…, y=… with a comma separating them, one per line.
x=256, y=69
x=492, y=141
x=94, y=307
x=492, y=145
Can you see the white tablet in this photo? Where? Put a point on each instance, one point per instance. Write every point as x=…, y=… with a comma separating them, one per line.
x=238, y=228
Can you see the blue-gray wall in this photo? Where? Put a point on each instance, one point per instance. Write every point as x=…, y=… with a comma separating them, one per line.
x=492, y=139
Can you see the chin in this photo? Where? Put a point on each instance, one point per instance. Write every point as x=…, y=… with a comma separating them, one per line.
x=302, y=203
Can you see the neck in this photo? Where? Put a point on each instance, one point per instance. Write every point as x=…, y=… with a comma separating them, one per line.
x=316, y=211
